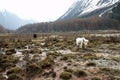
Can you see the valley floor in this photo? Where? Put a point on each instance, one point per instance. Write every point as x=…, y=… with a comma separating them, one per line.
x=56, y=57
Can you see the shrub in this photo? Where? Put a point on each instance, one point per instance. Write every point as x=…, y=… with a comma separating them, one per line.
x=7, y=61
x=46, y=63
x=33, y=69
x=95, y=78
x=54, y=74
x=36, y=57
x=55, y=54
x=66, y=75
x=10, y=51
x=80, y=73
x=2, y=78
x=69, y=70
x=14, y=70
x=114, y=48
x=51, y=73
x=91, y=64
x=67, y=57
x=106, y=69
x=14, y=77
x=89, y=56
x=64, y=58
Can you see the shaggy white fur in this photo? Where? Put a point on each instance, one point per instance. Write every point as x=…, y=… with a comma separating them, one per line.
x=81, y=41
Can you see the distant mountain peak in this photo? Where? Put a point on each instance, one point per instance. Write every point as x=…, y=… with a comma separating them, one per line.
x=11, y=21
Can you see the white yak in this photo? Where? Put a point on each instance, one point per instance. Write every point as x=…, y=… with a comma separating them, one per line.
x=82, y=42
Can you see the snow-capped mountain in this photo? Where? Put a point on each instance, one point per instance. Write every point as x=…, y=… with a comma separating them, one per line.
x=88, y=8
x=12, y=21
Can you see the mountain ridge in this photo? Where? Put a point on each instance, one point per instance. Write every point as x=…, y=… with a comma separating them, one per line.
x=88, y=8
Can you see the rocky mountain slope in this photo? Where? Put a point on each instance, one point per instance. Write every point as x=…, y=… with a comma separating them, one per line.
x=114, y=13
x=88, y=8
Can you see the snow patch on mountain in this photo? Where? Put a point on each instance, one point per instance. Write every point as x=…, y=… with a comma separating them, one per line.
x=96, y=4
x=105, y=12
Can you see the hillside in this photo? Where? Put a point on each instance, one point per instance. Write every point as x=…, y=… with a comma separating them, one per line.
x=1, y=29
x=77, y=24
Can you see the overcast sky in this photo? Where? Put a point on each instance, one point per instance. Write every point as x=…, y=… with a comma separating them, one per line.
x=41, y=10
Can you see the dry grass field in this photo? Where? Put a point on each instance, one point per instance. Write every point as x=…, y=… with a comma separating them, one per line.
x=56, y=57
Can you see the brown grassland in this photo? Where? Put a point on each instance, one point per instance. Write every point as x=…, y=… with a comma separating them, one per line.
x=56, y=56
